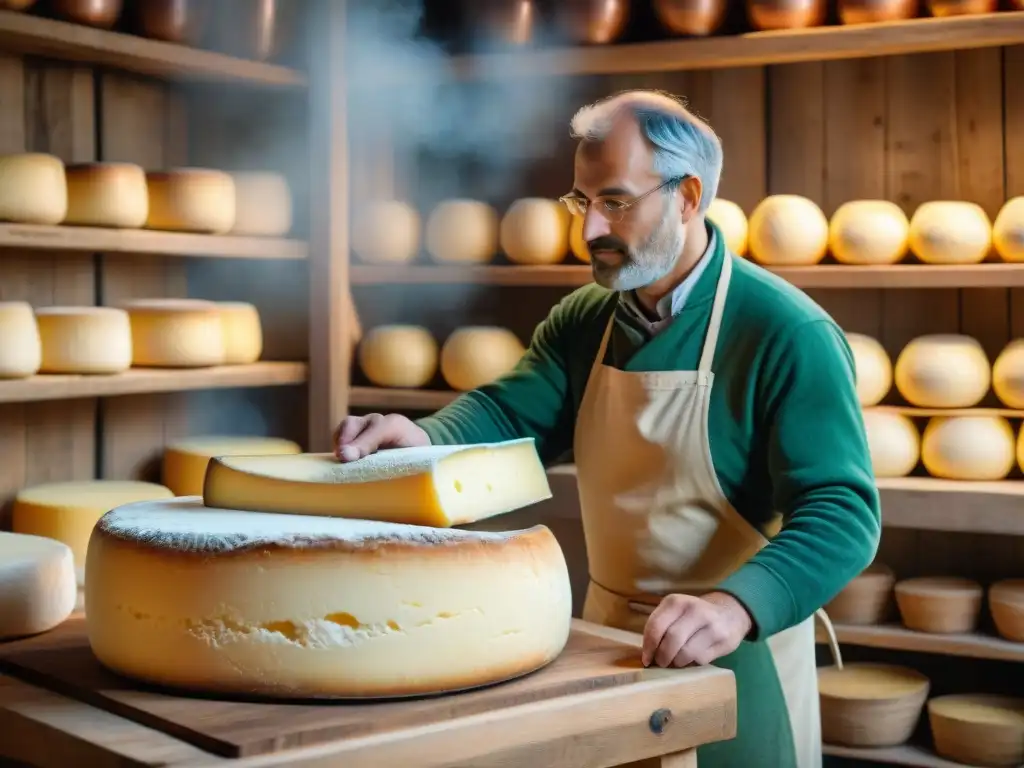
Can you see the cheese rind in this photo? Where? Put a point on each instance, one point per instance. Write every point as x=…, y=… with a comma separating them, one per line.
x=1008, y=375
x=577, y=243
x=968, y=447
x=462, y=232
x=84, y=340
x=21, y=350
x=386, y=232
x=176, y=333
x=893, y=441
x=950, y=232
x=535, y=231
x=263, y=204
x=731, y=219
x=211, y=600
x=185, y=461
x=1008, y=231
x=107, y=195
x=788, y=231
x=398, y=356
x=873, y=368
x=943, y=371
x=37, y=584
x=191, y=200
x=476, y=355
x=868, y=232
x=242, y=331
x=438, y=485
x=33, y=189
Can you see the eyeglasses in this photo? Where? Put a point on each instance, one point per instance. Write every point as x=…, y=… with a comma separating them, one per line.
x=613, y=210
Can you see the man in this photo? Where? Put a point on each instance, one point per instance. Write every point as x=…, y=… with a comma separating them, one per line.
x=701, y=395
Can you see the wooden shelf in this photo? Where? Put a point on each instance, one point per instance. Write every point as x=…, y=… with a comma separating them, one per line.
x=31, y=35
x=147, y=380
x=902, y=755
x=957, y=506
x=913, y=411
x=894, y=637
x=399, y=399
x=98, y=239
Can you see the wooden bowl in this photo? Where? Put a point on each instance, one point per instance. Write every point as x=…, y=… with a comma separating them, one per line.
x=870, y=705
x=978, y=729
x=506, y=22
x=865, y=600
x=92, y=13
x=1006, y=604
x=785, y=14
x=591, y=22
x=873, y=11
x=691, y=17
x=173, y=21
x=944, y=606
x=942, y=8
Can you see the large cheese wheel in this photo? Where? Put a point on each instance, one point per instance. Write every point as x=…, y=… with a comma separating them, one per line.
x=33, y=189
x=37, y=584
x=979, y=447
x=477, y=355
x=291, y=606
x=535, y=231
x=868, y=232
x=68, y=511
x=462, y=232
x=107, y=195
x=185, y=462
x=873, y=368
x=1008, y=375
x=732, y=221
x=978, y=728
x=577, y=244
x=84, y=339
x=21, y=351
x=943, y=371
x=788, y=231
x=386, y=232
x=893, y=441
x=243, y=332
x=398, y=356
x=870, y=705
x=1008, y=231
x=191, y=200
x=950, y=232
x=263, y=204
x=176, y=333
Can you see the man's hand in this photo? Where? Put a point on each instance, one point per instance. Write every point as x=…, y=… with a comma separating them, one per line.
x=686, y=630
x=359, y=436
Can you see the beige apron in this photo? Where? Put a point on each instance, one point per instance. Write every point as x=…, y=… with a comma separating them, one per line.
x=655, y=518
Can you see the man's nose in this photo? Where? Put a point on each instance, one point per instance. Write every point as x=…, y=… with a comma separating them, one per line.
x=595, y=225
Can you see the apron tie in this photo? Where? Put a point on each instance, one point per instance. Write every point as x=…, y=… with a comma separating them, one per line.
x=833, y=641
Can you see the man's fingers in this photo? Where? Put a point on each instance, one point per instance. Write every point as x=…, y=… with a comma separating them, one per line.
x=661, y=618
x=361, y=438
x=678, y=636
x=701, y=648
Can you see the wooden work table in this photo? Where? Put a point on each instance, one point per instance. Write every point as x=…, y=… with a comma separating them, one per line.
x=593, y=707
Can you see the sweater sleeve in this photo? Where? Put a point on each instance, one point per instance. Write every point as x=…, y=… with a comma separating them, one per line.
x=822, y=481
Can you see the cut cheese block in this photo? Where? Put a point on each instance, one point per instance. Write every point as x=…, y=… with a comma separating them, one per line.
x=398, y=356
x=191, y=200
x=462, y=232
x=788, y=231
x=943, y=371
x=968, y=447
x=870, y=705
x=292, y=606
x=68, y=511
x=386, y=232
x=33, y=189
x=577, y=244
x=107, y=195
x=477, y=355
x=535, y=231
x=37, y=584
x=84, y=339
x=873, y=368
x=950, y=232
x=868, y=232
x=21, y=351
x=176, y=333
x=263, y=204
x=978, y=729
x=185, y=462
x=1008, y=231
x=1008, y=375
x=732, y=221
x=243, y=332
x=893, y=441
x=439, y=485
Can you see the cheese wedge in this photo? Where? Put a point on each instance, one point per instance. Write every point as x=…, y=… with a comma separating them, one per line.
x=439, y=485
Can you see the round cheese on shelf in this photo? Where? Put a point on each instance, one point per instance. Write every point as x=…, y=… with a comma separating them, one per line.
x=943, y=371
x=462, y=232
x=211, y=600
x=577, y=244
x=398, y=356
x=21, y=351
x=1008, y=375
x=107, y=195
x=535, y=231
x=263, y=204
x=950, y=232
x=476, y=355
x=33, y=189
x=243, y=332
x=893, y=441
x=84, y=340
x=184, y=463
x=1008, y=231
x=37, y=584
x=868, y=232
x=788, y=231
x=968, y=447
x=978, y=728
x=870, y=705
x=176, y=333
x=68, y=511
x=386, y=232
x=191, y=200
x=873, y=368
x=731, y=219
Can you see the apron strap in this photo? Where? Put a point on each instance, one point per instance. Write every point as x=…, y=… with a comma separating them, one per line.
x=599, y=358
x=707, y=356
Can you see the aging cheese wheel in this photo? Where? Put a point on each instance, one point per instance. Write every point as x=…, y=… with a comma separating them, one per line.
x=870, y=681
x=185, y=462
x=1008, y=375
x=398, y=356
x=263, y=204
x=107, y=195
x=84, y=339
x=978, y=728
x=788, y=231
x=462, y=232
x=176, y=333
x=943, y=371
x=577, y=244
x=968, y=447
x=868, y=232
x=535, y=231
x=1006, y=604
x=873, y=368
x=893, y=441
x=191, y=200
x=33, y=189
x=732, y=221
x=950, y=232
x=68, y=511
x=870, y=705
x=939, y=605
x=386, y=232
x=243, y=332
x=1008, y=231
x=37, y=584
x=476, y=355
x=291, y=606
x=21, y=351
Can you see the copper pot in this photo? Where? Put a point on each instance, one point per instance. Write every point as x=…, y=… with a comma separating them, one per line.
x=173, y=21
x=941, y=8
x=595, y=22
x=16, y=5
x=93, y=13
x=691, y=17
x=785, y=14
x=255, y=29
x=870, y=11
x=510, y=22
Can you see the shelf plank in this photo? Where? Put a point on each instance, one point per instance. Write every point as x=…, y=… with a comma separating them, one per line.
x=399, y=399
x=914, y=411
x=31, y=35
x=441, y=274
x=98, y=239
x=957, y=506
x=903, y=755
x=148, y=380
x=894, y=637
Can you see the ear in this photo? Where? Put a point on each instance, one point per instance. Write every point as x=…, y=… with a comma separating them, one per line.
x=690, y=192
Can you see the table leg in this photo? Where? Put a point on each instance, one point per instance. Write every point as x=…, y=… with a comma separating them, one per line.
x=687, y=759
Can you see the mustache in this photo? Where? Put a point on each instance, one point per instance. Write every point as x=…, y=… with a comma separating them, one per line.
x=607, y=243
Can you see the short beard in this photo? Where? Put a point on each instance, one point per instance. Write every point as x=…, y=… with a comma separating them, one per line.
x=648, y=262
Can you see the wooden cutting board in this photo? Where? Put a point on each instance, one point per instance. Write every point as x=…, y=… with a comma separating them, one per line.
x=241, y=729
